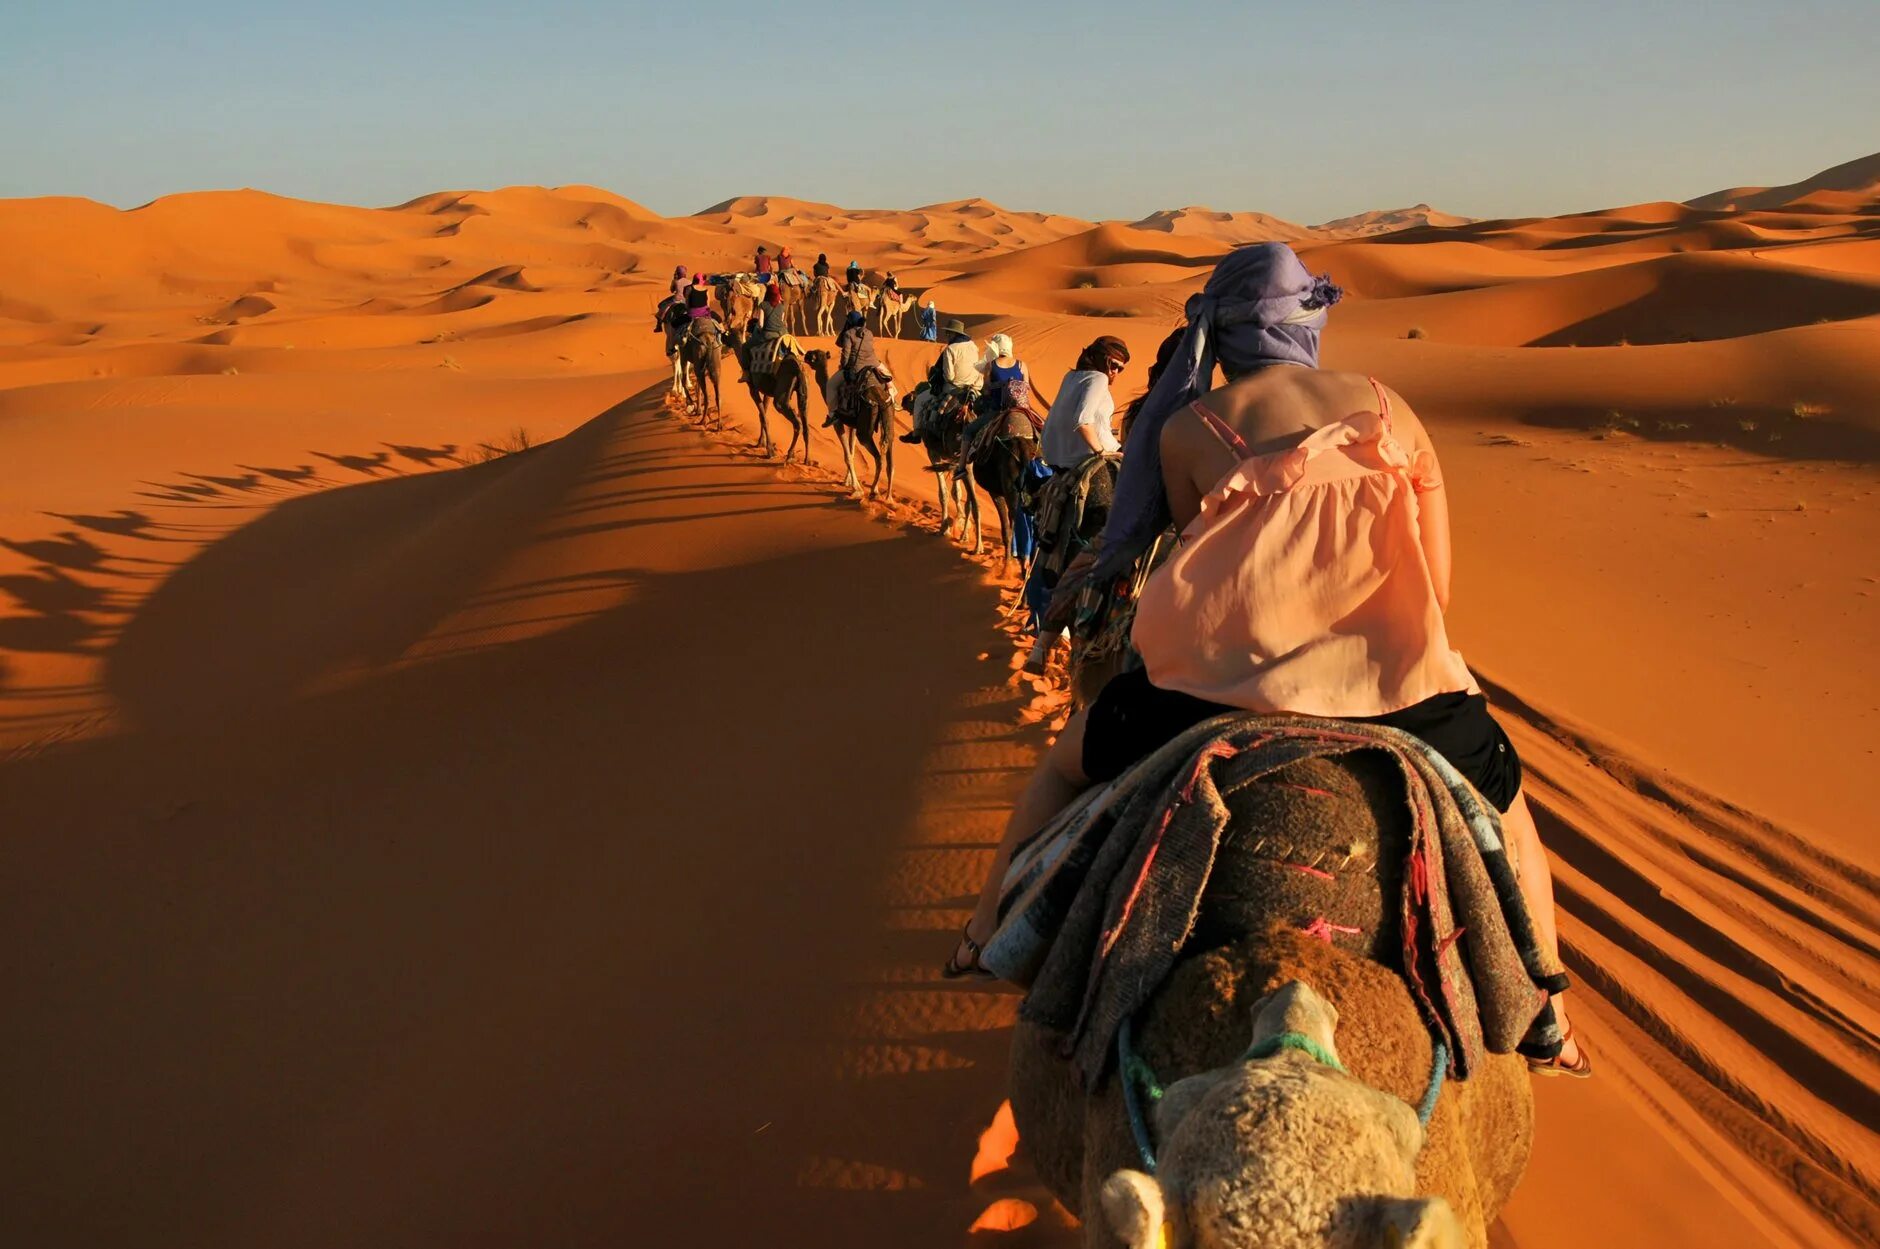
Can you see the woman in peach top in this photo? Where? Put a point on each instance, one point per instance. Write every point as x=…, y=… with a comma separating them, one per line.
x=1312, y=575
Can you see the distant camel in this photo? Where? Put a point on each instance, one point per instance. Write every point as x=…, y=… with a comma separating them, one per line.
x=738, y=303
x=859, y=297
x=868, y=418
x=889, y=311
x=820, y=304
x=795, y=316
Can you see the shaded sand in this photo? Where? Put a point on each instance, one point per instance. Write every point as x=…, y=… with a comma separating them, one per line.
x=363, y=898
x=466, y=948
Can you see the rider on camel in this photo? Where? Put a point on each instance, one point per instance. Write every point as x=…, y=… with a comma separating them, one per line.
x=956, y=373
x=761, y=265
x=698, y=298
x=768, y=334
x=856, y=348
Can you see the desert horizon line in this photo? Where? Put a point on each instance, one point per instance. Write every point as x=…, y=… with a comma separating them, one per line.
x=1852, y=168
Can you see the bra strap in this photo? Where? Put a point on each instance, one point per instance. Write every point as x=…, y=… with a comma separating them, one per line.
x=1383, y=402
x=1222, y=430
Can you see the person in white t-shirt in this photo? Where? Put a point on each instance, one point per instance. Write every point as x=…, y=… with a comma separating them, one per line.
x=1078, y=425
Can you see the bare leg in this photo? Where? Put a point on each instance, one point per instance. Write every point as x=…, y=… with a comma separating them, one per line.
x=1057, y=781
x=1537, y=888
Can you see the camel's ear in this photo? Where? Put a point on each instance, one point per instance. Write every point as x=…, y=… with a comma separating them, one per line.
x=1132, y=1205
x=1418, y=1223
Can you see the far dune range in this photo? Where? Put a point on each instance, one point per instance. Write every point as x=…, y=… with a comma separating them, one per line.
x=350, y=565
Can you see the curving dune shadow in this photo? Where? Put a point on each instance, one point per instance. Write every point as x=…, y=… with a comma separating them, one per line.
x=547, y=942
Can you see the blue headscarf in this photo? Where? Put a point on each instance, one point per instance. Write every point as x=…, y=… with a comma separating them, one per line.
x=1260, y=307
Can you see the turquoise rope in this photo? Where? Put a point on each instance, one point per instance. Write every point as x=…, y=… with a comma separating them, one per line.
x=1293, y=1041
x=1132, y=1069
x=1439, y=1068
x=1139, y=1079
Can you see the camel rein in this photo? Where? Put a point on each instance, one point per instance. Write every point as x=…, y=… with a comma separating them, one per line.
x=1139, y=1079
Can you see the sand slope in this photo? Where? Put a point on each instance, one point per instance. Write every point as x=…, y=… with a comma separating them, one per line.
x=1859, y=178
x=538, y=982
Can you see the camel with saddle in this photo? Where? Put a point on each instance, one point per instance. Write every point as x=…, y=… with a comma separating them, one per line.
x=861, y=414
x=890, y=308
x=699, y=355
x=777, y=370
x=941, y=420
x=1276, y=976
x=739, y=299
x=819, y=303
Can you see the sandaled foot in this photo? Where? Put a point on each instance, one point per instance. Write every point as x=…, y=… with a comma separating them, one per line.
x=969, y=967
x=1572, y=1061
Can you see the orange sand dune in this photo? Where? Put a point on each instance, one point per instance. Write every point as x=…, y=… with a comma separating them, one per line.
x=1231, y=228
x=1678, y=298
x=1388, y=221
x=1858, y=179
x=359, y=890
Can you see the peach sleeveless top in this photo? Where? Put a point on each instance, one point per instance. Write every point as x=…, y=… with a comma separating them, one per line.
x=1302, y=585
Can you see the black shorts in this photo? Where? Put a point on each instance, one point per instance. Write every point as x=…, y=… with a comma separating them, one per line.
x=1131, y=719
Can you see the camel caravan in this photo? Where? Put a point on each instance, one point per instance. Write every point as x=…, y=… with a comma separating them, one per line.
x=1279, y=909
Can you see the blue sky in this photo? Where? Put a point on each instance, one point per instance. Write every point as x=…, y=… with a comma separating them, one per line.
x=1098, y=109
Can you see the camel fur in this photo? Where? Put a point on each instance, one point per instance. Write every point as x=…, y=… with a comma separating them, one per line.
x=820, y=304
x=699, y=357
x=787, y=386
x=1337, y=1186
x=867, y=419
x=889, y=313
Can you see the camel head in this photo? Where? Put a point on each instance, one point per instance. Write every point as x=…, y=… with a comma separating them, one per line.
x=1282, y=1150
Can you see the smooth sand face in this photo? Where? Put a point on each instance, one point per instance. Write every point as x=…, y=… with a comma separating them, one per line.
x=400, y=854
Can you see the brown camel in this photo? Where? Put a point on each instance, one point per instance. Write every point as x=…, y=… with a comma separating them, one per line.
x=795, y=316
x=858, y=297
x=889, y=309
x=737, y=302
x=1273, y=1146
x=820, y=303
x=787, y=387
x=869, y=418
x=671, y=319
x=699, y=352
x=940, y=437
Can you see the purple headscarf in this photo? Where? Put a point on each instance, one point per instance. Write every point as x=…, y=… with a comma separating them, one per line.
x=1260, y=306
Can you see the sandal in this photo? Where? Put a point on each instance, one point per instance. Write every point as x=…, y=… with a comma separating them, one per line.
x=971, y=969
x=1581, y=1068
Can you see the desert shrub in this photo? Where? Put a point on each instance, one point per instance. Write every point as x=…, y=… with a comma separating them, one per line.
x=1416, y=331
x=516, y=442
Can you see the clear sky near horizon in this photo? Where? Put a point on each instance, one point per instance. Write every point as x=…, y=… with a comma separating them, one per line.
x=1096, y=109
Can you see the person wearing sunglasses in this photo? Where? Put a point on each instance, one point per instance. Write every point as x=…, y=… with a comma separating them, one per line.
x=1079, y=423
